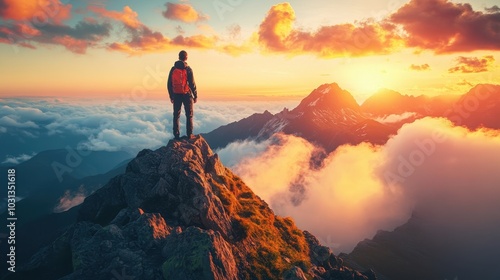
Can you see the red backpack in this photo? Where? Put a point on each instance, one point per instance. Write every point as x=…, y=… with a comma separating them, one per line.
x=179, y=81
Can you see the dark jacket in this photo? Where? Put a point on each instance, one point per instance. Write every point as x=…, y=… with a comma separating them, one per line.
x=190, y=79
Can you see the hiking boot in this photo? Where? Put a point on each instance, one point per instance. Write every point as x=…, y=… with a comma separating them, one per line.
x=176, y=137
x=190, y=136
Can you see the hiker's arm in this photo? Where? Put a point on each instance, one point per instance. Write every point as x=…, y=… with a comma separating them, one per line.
x=192, y=84
x=169, y=85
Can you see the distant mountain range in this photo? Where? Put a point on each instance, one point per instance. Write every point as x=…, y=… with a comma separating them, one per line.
x=329, y=116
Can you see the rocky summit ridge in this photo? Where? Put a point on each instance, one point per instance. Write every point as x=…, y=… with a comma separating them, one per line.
x=178, y=213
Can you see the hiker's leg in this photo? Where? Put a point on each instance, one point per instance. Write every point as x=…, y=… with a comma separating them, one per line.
x=177, y=114
x=188, y=107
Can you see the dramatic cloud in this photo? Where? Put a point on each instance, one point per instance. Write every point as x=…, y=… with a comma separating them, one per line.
x=76, y=39
x=70, y=200
x=438, y=25
x=38, y=11
x=182, y=12
x=28, y=32
x=127, y=17
x=277, y=26
x=276, y=33
x=472, y=64
x=35, y=22
x=422, y=67
x=445, y=173
x=347, y=201
x=143, y=40
x=447, y=27
x=451, y=176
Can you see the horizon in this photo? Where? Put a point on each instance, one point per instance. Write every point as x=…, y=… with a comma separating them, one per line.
x=241, y=98
x=280, y=50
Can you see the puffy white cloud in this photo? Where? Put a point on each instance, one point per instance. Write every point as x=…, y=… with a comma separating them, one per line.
x=449, y=175
x=235, y=152
x=9, y=121
x=17, y=159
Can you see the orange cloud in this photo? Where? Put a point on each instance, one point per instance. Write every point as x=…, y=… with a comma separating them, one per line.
x=88, y=32
x=422, y=67
x=41, y=22
x=236, y=50
x=128, y=16
x=182, y=12
x=196, y=41
x=277, y=27
x=144, y=40
x=75, y=45
x=276, y=33
x=76, y=39
x=35, y=10
x=447, y=27
x=472, y=64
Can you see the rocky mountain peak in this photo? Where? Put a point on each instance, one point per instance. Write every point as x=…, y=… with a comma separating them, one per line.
x=178, y=213
x=386, y=101
x=328, y=97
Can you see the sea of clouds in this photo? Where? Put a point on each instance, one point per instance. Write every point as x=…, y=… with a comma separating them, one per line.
x=446, y=174
x=39, y=123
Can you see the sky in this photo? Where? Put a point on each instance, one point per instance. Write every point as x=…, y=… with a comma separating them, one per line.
x=250, y=50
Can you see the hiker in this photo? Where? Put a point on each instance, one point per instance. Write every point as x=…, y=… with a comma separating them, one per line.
x=182, y=91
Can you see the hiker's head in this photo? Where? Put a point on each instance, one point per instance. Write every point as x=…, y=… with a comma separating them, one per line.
x=183, y=55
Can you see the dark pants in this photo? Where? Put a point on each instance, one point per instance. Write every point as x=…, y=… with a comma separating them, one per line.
x=179, y=100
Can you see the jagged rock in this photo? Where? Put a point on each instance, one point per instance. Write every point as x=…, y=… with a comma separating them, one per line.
x=198, y=254
x=163, y=181
x=295, y=273
x=178, y=213
x=320, y=255
x=329, y=266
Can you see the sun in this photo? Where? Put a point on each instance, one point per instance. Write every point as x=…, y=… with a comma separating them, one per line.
x=365, y=83
x=365, y=79
x=370, y=84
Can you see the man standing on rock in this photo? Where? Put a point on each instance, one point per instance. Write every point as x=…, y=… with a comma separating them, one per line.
x=182, y=91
